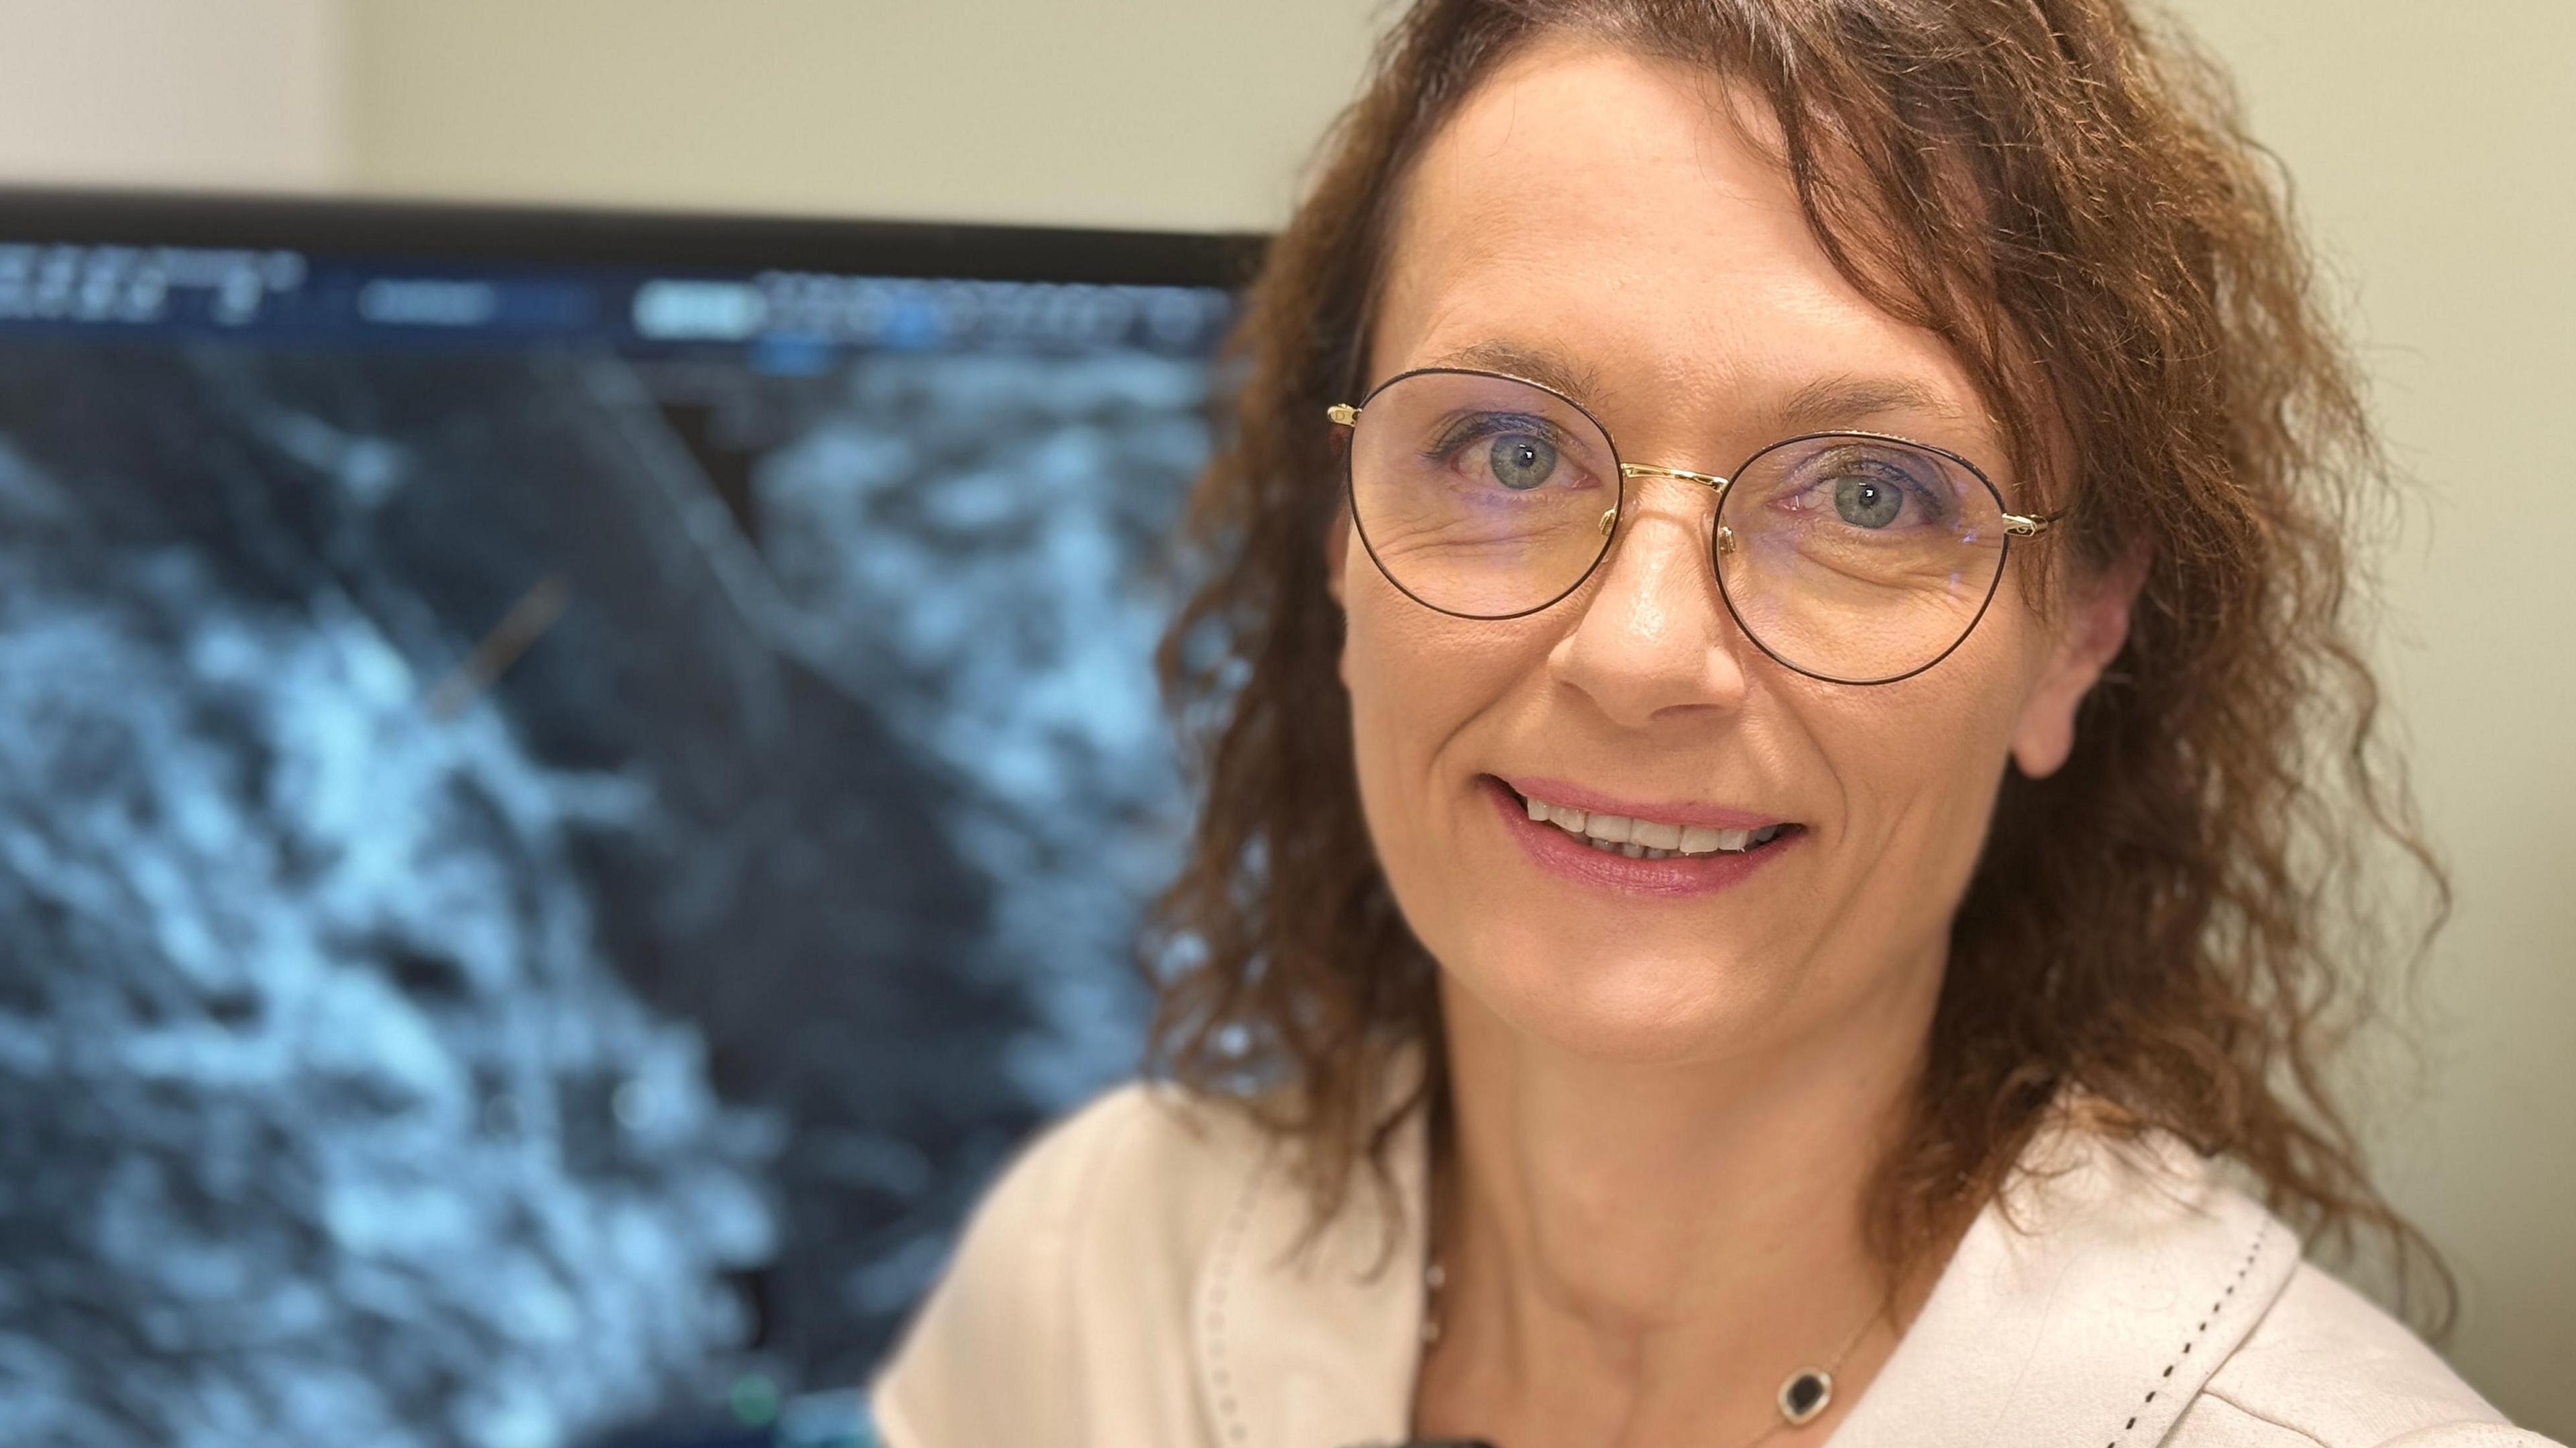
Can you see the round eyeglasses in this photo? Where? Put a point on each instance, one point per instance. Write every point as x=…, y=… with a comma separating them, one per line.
x=1851, y=557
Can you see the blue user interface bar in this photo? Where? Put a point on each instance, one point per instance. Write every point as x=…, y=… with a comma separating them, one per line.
x=281, y=295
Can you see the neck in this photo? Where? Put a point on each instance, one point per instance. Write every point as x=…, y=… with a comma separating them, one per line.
x=1668, y=1241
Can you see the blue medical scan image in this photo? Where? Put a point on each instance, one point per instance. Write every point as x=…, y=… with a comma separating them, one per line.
x=558, y=826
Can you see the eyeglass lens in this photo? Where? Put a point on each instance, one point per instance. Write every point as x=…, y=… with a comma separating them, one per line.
x=1844, y=556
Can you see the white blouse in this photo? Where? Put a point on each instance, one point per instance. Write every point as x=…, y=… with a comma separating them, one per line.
x=1131, y=1284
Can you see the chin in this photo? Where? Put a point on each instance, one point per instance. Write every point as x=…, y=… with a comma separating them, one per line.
x=1623, y=1003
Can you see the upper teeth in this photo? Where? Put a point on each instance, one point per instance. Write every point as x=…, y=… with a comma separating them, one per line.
x=1642, y=839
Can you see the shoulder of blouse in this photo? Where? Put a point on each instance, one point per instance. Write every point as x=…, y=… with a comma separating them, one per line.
x=1076, y=1269
x=2327, y=1368
x=2125, y=1294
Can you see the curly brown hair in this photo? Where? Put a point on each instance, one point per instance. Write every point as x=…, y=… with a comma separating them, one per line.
x=2069, y=199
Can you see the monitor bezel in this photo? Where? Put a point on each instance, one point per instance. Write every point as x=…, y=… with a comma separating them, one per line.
x=709, y=241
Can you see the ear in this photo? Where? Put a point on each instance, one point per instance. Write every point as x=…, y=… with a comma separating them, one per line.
x=1337, y=551
x=1337, y=558
x=2091, y=630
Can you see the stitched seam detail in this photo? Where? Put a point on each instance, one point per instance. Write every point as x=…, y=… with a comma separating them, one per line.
x=2253, y=1251
x=1221, y=1373
x=2302, y=1434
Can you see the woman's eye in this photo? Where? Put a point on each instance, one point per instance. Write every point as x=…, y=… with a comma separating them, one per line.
x=1871, y=491
x=1867, y=502
x=1520, y=462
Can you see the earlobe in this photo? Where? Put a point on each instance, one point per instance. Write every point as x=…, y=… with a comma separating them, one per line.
x=2094, y=629
x=1337, y=554
x=2047, y=733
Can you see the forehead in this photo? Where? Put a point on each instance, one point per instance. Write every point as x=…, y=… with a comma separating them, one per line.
x=1622, y=219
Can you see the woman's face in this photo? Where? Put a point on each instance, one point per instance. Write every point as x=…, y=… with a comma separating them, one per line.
x=1594, y=218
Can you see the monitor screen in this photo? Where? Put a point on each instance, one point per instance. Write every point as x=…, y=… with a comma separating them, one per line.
x=575, y=785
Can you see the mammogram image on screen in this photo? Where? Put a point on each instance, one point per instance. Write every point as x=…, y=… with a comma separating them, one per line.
x=538, y=884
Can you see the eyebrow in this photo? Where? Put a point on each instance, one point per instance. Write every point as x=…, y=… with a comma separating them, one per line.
x=1823, y=405
x=1837, y=401
x=1551, y=370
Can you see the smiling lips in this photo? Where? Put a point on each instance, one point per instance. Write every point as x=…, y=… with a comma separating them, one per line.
x=1647, y=838
x=1669, y=851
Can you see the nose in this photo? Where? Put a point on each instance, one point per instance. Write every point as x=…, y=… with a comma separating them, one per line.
x=1654, y=639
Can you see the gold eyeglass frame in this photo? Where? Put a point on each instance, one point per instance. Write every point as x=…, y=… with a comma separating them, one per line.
x=1722, y=538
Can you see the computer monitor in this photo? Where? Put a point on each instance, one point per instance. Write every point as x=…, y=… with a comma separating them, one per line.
x=575, y=783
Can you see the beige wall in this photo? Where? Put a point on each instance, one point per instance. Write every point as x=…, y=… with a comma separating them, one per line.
x=241, y=93
x=1183, y=113
x=2435, y=158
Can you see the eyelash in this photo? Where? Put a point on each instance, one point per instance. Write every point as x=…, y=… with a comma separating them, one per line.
x=1478, y=426
x=1926, y=498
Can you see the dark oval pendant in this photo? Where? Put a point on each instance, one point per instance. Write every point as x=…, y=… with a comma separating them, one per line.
x=1805, y=1395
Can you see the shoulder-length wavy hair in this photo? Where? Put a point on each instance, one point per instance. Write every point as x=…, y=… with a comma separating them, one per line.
x=2167, y=924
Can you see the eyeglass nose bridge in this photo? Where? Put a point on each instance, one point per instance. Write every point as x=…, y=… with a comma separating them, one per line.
x=1710, y=481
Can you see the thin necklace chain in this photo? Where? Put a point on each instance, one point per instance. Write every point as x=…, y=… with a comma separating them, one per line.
x=1435, y=1277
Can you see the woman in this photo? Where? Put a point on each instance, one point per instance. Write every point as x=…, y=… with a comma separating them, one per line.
x=1780, y=568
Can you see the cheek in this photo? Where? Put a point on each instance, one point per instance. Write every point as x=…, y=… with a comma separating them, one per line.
x=1422, y=685
x=1415, y=677
x=1918, y=784
x=1919, y=764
